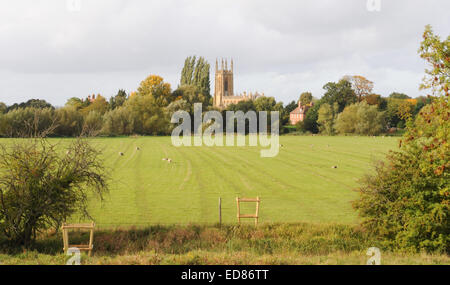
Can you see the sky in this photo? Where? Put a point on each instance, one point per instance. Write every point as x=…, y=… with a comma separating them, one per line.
x=58, y=49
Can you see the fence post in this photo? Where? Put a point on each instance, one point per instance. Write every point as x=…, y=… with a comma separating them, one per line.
x=220, y=211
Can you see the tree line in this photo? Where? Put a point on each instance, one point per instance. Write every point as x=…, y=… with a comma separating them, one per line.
x=348, y=107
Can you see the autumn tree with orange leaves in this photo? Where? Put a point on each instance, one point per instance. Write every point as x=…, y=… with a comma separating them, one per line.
x=361, y=85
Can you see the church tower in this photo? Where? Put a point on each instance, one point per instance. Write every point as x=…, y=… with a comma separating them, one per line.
x=223, y=83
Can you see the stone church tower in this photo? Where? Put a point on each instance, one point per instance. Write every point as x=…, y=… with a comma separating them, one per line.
x=224, y=88
x=223, y=83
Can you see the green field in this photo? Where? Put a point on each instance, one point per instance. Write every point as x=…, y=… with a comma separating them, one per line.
x=299, y=185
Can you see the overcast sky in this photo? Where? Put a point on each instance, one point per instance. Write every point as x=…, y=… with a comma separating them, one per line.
x=51, y=50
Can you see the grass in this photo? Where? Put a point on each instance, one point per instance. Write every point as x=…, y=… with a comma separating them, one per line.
x=298, y=185
x=167, y=213
x=301, y=243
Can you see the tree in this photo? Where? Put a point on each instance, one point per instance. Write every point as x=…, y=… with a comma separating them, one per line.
x=369, y=120
x=191, y=94
x=396, y=95
x=147, y=116
x=437, y=54
x=326, y=118
x=119, y=121
x=243, y=106
x=306, y=98
x=290, y=107
x=99, y=104
x=373, y=99
x=34, y=103
x=347, y=120
x=264, y=103
x=406, y=202
x=196, y=72
x=311, y=117
x=361, y=85
x=398, y=111
x=40, y=187
x=421, y=102
x=69, y=122
x=155, y=87
x=77, y=103
x=24, y=122
x=287, y=111
x=362, y=119
x=3, y=108
x=118, y=100
x=93, y=122
x=340, y=93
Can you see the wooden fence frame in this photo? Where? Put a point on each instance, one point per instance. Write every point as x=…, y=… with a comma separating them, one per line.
x=249, y=200
x=85, y=247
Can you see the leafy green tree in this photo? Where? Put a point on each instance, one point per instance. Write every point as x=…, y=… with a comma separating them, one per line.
x=93, y=123
x=77, y=103
x=300, y=126
x=3, y=108
x=312, y=115
x=327, y=115
x=265, y=104
x=347, y=120
x=69, y=122
x=398, y=111
x=34, y=103
x=196, y=72
x=340, y=93
x=147, y=116
x=118, y=100
x=119, y=121
x=290, y=107
x=369, y=121
x=24, y=122
x=362, y=119
x=99, y=105
x=305, y=98
x=396, y=95
x=243, y=106
x=191, y=94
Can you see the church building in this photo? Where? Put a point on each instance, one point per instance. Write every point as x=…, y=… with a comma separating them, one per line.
x=224, y=87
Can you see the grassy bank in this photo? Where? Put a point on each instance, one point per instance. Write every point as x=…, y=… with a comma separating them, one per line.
x=195, y=244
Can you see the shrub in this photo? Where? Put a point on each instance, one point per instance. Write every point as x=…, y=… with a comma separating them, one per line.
x=40, y=188
x=407, y=200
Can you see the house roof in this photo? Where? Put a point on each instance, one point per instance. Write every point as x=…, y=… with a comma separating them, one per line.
x=299, y=110
x=302, y=109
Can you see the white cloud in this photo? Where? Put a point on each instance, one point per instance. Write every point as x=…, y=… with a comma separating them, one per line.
x=281, y=48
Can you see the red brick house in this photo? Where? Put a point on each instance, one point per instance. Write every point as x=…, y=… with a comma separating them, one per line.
x=299, y=113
